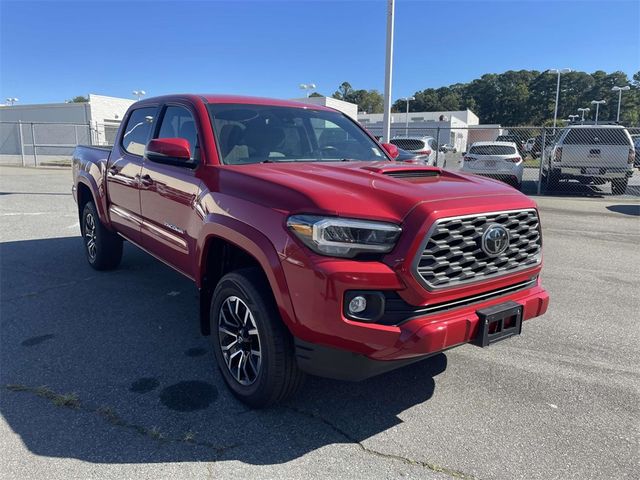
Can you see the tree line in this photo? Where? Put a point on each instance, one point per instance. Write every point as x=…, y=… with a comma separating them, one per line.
x=523, y=97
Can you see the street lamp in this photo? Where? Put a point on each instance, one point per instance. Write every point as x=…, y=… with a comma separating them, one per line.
x=139, y=93
x=12, y=100
x=406, y=125
x=307, y=87
x=619, y=90
x=597, y=103
x=583, y=111
x=572, y=118
x=559, y=72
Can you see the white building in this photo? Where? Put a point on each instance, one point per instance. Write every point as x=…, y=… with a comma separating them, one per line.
x=446, y=127
x=350, y=109
x=32, y=134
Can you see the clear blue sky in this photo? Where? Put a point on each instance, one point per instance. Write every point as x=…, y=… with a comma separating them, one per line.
x=52, y=51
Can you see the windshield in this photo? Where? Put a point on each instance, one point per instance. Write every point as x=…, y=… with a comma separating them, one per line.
x=263, y=133
x=492, y=150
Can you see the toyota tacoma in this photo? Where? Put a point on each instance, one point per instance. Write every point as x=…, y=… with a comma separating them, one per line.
x=314, y=252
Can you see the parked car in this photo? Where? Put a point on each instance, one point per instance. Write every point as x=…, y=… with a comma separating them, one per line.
x=515, y=139
x=499, y=160
x=528, y=146
x=411, y=157
x=426, y=146
x=591, y=154
x=313, y=252
x=536, y=148
x=636, y=146
x=447, y=147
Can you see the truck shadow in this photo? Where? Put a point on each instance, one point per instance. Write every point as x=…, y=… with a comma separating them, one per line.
x=110, y=367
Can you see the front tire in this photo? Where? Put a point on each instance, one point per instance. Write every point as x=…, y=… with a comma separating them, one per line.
x=102, y=247
x=253, y=348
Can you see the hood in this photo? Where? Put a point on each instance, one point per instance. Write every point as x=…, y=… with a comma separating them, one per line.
x=376, y=190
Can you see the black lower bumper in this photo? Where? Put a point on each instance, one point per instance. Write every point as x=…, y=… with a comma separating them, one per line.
x=344, y=365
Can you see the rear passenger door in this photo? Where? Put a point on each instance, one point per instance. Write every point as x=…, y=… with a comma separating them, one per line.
x=123, y=172
x=168, y=193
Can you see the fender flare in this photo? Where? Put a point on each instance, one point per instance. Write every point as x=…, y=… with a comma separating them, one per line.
x=256, y=244
x=89, y=181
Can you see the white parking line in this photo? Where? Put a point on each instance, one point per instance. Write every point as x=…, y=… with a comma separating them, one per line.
x=17, y=214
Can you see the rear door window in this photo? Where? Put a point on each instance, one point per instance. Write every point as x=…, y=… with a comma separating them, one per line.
x=138, y=129
x=596, y=136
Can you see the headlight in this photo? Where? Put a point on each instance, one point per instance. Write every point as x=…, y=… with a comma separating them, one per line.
x=343, y=237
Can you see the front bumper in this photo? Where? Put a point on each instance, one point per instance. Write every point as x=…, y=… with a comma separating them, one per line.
x=410, y=342
x=322, y=330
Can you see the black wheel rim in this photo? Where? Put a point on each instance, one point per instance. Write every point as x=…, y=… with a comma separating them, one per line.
x=90, y=235
x=239, y=340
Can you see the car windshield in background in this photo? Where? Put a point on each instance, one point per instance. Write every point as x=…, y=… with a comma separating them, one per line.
x=248, y=133
x=492, y=150
x=596, y=136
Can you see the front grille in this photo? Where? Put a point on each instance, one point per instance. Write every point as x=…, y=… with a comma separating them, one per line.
x=451, y=253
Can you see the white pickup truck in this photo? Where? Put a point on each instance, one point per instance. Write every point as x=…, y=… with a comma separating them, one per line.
x=591, y=154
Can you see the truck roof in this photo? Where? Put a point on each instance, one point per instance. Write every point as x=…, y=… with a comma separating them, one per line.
x=220, y=98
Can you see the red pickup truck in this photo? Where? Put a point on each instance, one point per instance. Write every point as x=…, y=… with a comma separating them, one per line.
x=313, y=251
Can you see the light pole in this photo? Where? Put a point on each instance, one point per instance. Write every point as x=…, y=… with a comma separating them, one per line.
x=139, y=94
x=307, y=86
x=388, y=71
x=619, y=90
x=12, y=100
x=583, y=111
x=597, y=103
x=406, y=120
x=559, y=72
x=572, y=118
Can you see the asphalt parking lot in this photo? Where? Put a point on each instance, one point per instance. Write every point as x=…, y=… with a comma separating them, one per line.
x=105, y=375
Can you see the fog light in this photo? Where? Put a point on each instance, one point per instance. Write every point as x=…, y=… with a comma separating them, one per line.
x=363, y=305
x=357, y=304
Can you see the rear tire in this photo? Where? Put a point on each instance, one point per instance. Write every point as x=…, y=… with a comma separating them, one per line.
x=619, y=187
x=102, y=246
x=253, y=348
x=553, y=181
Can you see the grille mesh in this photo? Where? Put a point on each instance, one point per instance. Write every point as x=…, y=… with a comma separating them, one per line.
x=452, y=254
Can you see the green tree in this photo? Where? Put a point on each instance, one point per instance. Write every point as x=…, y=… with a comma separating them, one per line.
x=78, y=99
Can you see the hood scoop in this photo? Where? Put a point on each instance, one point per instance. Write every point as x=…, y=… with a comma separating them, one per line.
x=411, y=173
x=399, y=170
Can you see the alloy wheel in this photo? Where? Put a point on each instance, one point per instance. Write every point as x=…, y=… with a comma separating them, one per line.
x=90, y=235
x=239, y=340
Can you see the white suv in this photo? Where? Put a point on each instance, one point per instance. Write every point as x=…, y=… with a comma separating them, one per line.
x=499, y=160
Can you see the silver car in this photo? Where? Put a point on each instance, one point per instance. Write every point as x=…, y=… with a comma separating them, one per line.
x=425, y=147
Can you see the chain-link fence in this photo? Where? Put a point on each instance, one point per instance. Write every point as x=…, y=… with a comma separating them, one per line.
x=580, y=160
x=583, y=160
x=49, y=144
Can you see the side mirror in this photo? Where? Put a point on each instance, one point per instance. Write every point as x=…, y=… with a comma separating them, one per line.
x=168, y=150
x=391, y=149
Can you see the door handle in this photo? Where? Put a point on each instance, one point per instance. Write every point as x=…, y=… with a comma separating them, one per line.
x=146, y=180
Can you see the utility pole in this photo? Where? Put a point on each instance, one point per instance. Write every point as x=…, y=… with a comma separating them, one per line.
x=388, y=71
